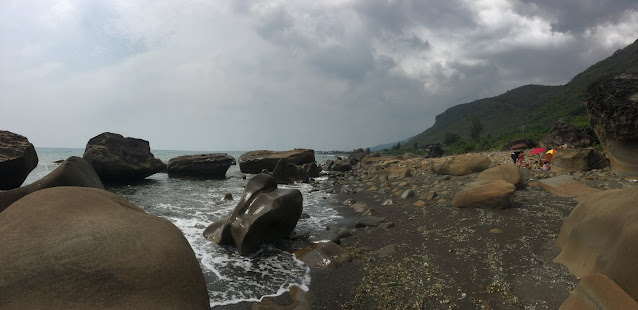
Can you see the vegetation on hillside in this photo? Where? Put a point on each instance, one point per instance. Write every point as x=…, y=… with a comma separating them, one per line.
x=524, y=112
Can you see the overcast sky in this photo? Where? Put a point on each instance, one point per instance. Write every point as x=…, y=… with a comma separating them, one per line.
x=244, y=75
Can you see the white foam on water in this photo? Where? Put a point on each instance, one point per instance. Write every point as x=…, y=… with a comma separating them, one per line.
x=192, y=205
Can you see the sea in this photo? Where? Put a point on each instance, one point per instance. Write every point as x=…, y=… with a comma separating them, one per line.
x=192, y=205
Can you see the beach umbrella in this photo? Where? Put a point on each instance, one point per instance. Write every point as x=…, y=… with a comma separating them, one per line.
x=538, y=150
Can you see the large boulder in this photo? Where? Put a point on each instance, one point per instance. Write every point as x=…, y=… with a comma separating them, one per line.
x=507, y=173
x=86, y=248
x=17, y=159
x=119, y=159
x=565, y=133
x=572, y=160
x=434, y=151
x=520, y=144
x=264, y=214
x=488, y=194
x=601, y=236
x=74, y=171
x=357, y=156
x=612, y=105
x=286, y=172
x=256, y=161
x=463, y=164
x=598, y=292
x=201, y=166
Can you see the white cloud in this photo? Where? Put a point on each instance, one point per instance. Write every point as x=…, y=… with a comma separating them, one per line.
x=217, y=75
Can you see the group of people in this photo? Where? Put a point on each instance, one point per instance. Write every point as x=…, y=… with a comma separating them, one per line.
x=519, y=159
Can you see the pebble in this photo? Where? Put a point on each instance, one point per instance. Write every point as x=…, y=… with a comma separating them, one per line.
x=419, y=203
x=408, y=194
x=496, y=231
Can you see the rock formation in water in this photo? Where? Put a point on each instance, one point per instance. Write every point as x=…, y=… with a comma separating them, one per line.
x=17, y=159
x=201, y=166
x=121, y=160
x=264, y=214
x=256, y=161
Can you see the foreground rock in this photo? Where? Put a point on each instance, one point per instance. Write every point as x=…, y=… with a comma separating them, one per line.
x=17, y=159
x=85, y=248
x=463, y=164
x=565, y=133
x=601, y=236
x=201, y=166
x=488, y=194
x=256, y=161
x=119, y=159
x=598, y=292
x=74, y=171
x=264, y=214
x=572, y=160
x=612, y=105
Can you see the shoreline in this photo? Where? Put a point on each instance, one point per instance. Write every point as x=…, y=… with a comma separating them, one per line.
x=445, y=257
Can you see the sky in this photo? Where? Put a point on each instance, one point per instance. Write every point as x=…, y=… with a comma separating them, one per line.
x=279, y=74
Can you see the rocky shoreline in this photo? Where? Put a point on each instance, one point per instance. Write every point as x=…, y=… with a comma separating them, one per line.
x=428, y=254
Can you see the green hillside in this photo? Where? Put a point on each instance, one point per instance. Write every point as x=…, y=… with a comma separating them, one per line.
x=527, y=111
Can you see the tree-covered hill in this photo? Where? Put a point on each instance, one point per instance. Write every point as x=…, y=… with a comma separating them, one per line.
x=526, y=111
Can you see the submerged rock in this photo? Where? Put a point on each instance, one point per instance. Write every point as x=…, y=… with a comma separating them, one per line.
x=17, y=159
x=327, y=255
x=264, y=214
x=86, y=248
x=119, y=159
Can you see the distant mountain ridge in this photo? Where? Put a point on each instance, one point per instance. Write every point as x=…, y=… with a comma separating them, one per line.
x=531, y=108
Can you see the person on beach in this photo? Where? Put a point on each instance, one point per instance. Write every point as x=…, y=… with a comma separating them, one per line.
x=521, y=157
x=514, y=156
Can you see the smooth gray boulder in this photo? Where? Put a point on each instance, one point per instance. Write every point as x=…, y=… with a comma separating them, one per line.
x=121, y=160
x=201, y=166
x=264, y=214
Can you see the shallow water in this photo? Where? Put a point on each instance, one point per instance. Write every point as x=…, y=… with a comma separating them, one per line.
x=194, y=204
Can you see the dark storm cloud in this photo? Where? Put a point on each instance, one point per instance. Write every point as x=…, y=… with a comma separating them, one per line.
x=578, y=15
x=396, y=16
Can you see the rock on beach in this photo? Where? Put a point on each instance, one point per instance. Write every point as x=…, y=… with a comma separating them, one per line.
x=17, y=159
x=85, y=248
